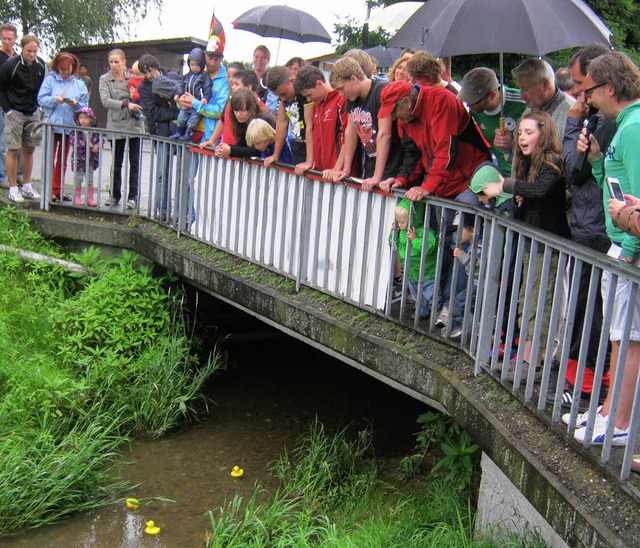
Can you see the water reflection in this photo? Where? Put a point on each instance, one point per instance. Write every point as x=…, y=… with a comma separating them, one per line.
x=260, y=406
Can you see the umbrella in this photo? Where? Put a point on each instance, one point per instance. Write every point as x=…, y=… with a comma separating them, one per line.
x=531, y=27
x=385, y=56
x=282, y=22
x=395, y=15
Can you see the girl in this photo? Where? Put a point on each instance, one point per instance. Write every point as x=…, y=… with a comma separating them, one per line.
x=61, y=95
x=86, y=155
x=244, y=108
x=114, y=94
x=538, y=184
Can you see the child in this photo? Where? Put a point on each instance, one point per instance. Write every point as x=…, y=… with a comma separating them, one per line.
x=134, y=83
x=415, y=236
x=86, y=154
x=538, y=184
x=261, y=136
x=197, y=83
x=463, y=254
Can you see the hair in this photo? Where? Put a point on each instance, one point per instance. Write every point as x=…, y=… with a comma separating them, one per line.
x=236, y=65
x=119, y=53
x=617, y=69
x=27, y=39
x=10, y=27
x=563, y=79
x=64, y=57
x=345, y=68
x=259, y=131
x=468, y=220
x=248, y=79
x=147, y=62
x=278, y=76
x=307, y=78
x=548, y=149
x=263, y=49
x=392, y=71
x=424, y=65
x=363, y=59
x=410, y=51
x=401, y=213
x=586, y=54
x=244, y=99
x=299, y=60
x=536, y=69
x=445, y=63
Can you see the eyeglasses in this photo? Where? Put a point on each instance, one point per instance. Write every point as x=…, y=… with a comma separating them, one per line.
x=589, y=91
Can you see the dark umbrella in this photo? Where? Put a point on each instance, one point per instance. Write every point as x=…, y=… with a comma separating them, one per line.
x=282, y=22
x=385, y=56
x=531, y=27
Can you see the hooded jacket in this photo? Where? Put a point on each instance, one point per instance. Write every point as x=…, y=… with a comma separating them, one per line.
x=78, y=142
x=20, y=83
x=157, y=102
x=55, y=86
x=197, y=84
x=212, y=111
x=415, y=247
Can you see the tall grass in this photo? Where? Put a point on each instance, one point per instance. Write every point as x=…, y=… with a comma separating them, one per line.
x=85, y=363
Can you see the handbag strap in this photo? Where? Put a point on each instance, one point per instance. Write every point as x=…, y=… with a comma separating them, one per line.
x=64, y=91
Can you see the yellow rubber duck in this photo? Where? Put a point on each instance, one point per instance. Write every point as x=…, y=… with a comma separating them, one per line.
x=237, y=472
x=132, y=503
x=151, y=528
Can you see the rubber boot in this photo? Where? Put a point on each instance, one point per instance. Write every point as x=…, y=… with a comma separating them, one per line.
x=177, y=134
x=79, y=200
x=186, y=137
x=91, y=201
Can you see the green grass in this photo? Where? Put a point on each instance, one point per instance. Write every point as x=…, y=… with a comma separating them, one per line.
x=86, y=363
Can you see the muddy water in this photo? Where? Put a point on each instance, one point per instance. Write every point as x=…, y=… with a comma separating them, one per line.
x=262, y=404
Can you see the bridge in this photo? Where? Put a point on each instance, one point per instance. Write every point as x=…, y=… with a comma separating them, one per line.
x=316, y=261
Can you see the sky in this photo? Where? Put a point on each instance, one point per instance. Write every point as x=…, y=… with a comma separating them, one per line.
x=180, y=18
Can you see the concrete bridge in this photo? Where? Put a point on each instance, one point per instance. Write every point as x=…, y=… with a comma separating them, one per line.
x=534, y=475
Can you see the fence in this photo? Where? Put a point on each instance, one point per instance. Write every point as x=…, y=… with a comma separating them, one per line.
x=339, y=240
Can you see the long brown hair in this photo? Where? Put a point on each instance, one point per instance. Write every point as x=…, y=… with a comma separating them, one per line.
x=548, y=149
x=244, y=99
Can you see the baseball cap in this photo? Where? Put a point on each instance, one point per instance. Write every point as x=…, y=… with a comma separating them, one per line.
x=391, y=94
x=477, y=83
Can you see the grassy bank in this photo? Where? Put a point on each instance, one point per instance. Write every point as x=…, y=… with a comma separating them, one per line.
x=87, y=361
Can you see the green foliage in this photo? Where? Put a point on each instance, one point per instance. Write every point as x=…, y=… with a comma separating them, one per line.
x=61, y=23
x=350, y=36
x=460, y=453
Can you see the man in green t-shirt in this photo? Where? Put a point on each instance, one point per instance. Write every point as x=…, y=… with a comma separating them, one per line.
x=481, y=91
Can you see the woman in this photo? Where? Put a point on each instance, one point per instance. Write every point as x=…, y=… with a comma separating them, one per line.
x=62, y=93
x=398, y=70
x=244, y=108
x=114, y=94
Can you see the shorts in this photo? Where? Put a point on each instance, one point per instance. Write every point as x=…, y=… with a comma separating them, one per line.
x=17, y=130
x=620, y=300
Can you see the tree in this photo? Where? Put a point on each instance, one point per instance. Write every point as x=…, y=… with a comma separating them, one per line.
x=61, y=23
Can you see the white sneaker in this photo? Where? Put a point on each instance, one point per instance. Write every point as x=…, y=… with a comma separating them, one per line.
x=15, y=196
x=30, y=192
x=620, y=437
x=443, y=317
x=581, y=418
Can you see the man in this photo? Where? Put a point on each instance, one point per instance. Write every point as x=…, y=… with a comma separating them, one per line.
x=82, y=74
x=426, y=70
x=587, y=215
x=295, y=64
x=294, y=114
x=20, y=80
x=156, y=99
x=612, y=85
x=9, y=35
x=497, y=119
x=564, y=82
x=450, y=142
x=537, y=84
x=330, y=116
x=377, y=135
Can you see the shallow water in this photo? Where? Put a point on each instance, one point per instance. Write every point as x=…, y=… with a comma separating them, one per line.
x=261, y=405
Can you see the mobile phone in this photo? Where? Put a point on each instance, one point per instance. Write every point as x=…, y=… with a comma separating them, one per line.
x=67, y=100
x=615, y=190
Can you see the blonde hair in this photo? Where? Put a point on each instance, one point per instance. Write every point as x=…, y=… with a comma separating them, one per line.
x=259, y=131
x=345, y=68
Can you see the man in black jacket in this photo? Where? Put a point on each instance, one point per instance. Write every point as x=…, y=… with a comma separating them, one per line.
x=156, y=99
x=20, y=80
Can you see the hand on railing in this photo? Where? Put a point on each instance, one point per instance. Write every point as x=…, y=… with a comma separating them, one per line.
x=416, y=193
x=304, y=166
x=370, y=183
x=390, y=183
x=270, y=160
x=223, y=150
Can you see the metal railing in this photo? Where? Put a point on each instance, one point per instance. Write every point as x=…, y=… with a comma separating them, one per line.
x=339, y=240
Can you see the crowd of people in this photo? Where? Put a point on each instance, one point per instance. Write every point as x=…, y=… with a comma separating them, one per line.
x=519, y=151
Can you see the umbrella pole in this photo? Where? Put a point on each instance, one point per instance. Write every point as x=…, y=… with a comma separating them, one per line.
x=503, y=95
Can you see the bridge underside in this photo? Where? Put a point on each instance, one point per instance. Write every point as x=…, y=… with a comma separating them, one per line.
x=584, y=506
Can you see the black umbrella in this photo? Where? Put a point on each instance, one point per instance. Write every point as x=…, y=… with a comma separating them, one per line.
x=531, y=27
x=385, y=56
x=282, y=22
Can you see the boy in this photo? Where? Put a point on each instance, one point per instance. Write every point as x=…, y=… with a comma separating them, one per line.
x=330, y=116
x=295, y=115
x=197, y=83
x=414, y=236
x=379, y=140
x=261, y=136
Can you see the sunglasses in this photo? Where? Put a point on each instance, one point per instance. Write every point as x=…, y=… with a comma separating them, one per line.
x=589, y=91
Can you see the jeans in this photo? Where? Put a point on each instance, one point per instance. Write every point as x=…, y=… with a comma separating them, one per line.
x=163, y=177
x=189, y=116
x=458, y=306
x=428, y=289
